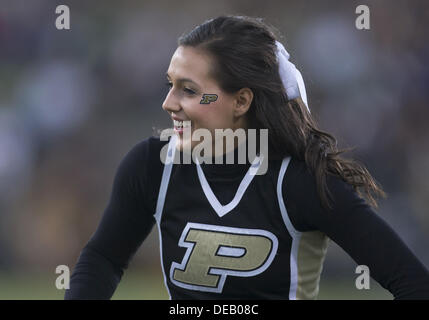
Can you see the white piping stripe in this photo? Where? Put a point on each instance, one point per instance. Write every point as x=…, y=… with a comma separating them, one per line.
x=216, y=205
x=283, y=168
x=161, y=198
x=296, y=235
x=162, y=262
x=165, y=177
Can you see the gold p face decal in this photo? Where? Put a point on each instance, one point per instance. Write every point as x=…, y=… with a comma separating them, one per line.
x=207, y=98
x=215, y=252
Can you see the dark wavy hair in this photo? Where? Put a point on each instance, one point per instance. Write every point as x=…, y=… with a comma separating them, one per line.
x=243, y=51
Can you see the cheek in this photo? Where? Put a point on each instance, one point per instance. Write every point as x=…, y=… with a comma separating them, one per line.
x=224, y=114
x=212, y=118
x=216, y=115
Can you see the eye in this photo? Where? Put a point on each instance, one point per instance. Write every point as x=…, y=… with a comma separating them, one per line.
x=168, y=84
x=186, y=90
x=189, y=91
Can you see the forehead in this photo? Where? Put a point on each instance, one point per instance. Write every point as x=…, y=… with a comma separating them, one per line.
x=188, y=62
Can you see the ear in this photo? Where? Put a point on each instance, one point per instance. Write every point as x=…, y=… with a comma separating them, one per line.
x=243, y=100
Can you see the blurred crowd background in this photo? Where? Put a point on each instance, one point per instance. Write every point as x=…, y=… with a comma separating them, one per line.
x=74, y=102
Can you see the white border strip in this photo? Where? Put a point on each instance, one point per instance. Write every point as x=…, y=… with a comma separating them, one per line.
x=295, y=234
x=165, y=178
x=161, y=198
x=211, y=197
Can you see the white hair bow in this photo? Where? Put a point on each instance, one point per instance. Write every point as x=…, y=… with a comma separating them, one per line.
x=290, y=75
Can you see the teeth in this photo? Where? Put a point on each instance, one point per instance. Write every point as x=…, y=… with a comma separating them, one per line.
x=184, y=124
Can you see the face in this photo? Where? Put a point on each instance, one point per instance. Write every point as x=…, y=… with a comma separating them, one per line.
x=189, y=78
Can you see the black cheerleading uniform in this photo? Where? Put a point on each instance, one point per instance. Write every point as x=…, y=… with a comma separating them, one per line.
x=226, y=233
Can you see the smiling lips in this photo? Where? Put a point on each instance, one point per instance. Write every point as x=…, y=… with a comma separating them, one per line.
x=179, y=125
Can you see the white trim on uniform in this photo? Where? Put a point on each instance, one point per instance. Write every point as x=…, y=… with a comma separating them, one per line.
x=161, y=197
x=216, y=205
x=295, y=234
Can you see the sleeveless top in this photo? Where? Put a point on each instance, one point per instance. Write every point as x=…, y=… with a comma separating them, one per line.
x=245, y=249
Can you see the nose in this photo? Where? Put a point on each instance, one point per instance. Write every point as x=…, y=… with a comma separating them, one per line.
x=170, y=103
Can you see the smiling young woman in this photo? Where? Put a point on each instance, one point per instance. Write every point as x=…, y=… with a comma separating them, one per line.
x=228, y=234
x=189, y=77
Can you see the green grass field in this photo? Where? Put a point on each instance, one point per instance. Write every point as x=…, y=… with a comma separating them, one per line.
x=135, y=286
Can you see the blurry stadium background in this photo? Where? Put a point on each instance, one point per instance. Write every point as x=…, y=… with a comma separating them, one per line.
x=73, y=103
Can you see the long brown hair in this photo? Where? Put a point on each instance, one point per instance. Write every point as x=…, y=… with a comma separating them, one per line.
x=243, y=51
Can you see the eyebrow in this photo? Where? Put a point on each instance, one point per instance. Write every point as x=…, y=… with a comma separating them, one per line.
x=182, y=79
